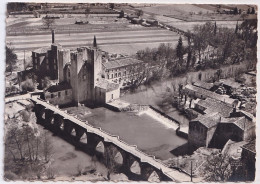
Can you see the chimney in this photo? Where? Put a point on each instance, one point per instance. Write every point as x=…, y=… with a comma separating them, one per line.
x=53, y=35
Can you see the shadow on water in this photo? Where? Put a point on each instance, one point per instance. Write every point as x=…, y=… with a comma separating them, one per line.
x=84, y=147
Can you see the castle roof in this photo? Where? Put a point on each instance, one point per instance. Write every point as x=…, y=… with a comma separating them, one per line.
x=107, y=85
x=121, y=62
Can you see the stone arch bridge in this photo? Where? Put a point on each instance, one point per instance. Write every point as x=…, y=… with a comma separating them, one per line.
x=127, y=158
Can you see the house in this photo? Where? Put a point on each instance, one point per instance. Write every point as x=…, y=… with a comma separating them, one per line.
x=214, y=130
x=60, y=94
x=202, y=129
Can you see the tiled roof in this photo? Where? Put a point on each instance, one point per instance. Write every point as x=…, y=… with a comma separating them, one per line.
x=213, y=105
x=250, y=146
x=209, y=94
x=59, y=87
x=42, y=50
x=204, y=85
x=239, y=121
x=121, y=62
x=209, y=120
x=107, y=85
x=230, y=83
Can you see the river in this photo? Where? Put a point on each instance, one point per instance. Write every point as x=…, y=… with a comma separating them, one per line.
x=149, y=135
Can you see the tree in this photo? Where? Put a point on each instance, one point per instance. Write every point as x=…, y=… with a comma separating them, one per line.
x=87, y=12
x=236, y=29
x=179, y=54
x=48, y=22
x=111, y=5
x=253, y=10
x=139, y=13
x=27, y=85
x=218, y=167
x=47, y=147
x=11, y=58
x=215, y=28
x=121, y=14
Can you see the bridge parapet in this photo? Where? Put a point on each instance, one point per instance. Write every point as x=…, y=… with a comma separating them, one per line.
x=95, y=135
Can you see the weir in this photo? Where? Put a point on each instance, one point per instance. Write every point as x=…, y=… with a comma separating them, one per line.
x=110, y=148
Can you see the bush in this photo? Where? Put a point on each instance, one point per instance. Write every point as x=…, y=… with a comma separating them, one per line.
x=10, y=176
x=28, y=85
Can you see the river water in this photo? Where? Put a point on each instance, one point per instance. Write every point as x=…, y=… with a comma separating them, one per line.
x=149, y=135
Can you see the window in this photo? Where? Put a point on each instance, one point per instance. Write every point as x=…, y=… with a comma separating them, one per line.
x=52, y=95
x=111, y=96
x=58, y=94
x=119, y=74
x=84, y=77
x=112, y=76
x=107, y=76
x=124, y=73
x=54, y=61
x=115, y=74
x=66, y=92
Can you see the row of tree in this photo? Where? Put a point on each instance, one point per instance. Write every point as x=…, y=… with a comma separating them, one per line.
x=230, y=46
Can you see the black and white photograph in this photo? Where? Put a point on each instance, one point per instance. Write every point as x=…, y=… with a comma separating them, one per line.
x=129, y=92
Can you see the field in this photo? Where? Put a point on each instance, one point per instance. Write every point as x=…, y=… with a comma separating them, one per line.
x=123, y=41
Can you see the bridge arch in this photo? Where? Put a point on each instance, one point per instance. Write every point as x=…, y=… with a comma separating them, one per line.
x=100, y=147
x=84, y=138
x=135, y=168
x=118, y=158
x=154, y=177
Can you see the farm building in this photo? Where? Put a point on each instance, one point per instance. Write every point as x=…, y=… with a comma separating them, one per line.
x=198, y=92
x=214, y=130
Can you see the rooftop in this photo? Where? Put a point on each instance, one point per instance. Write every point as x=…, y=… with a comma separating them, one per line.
x=203, y=85
x=239, y=121
x=213, y=105
x=231, y=83
x=210, y=94
x=107, y=85
x=209, y=120
x=250, y=146
x=121, y=62
x=59, y=87
x=42, y=50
